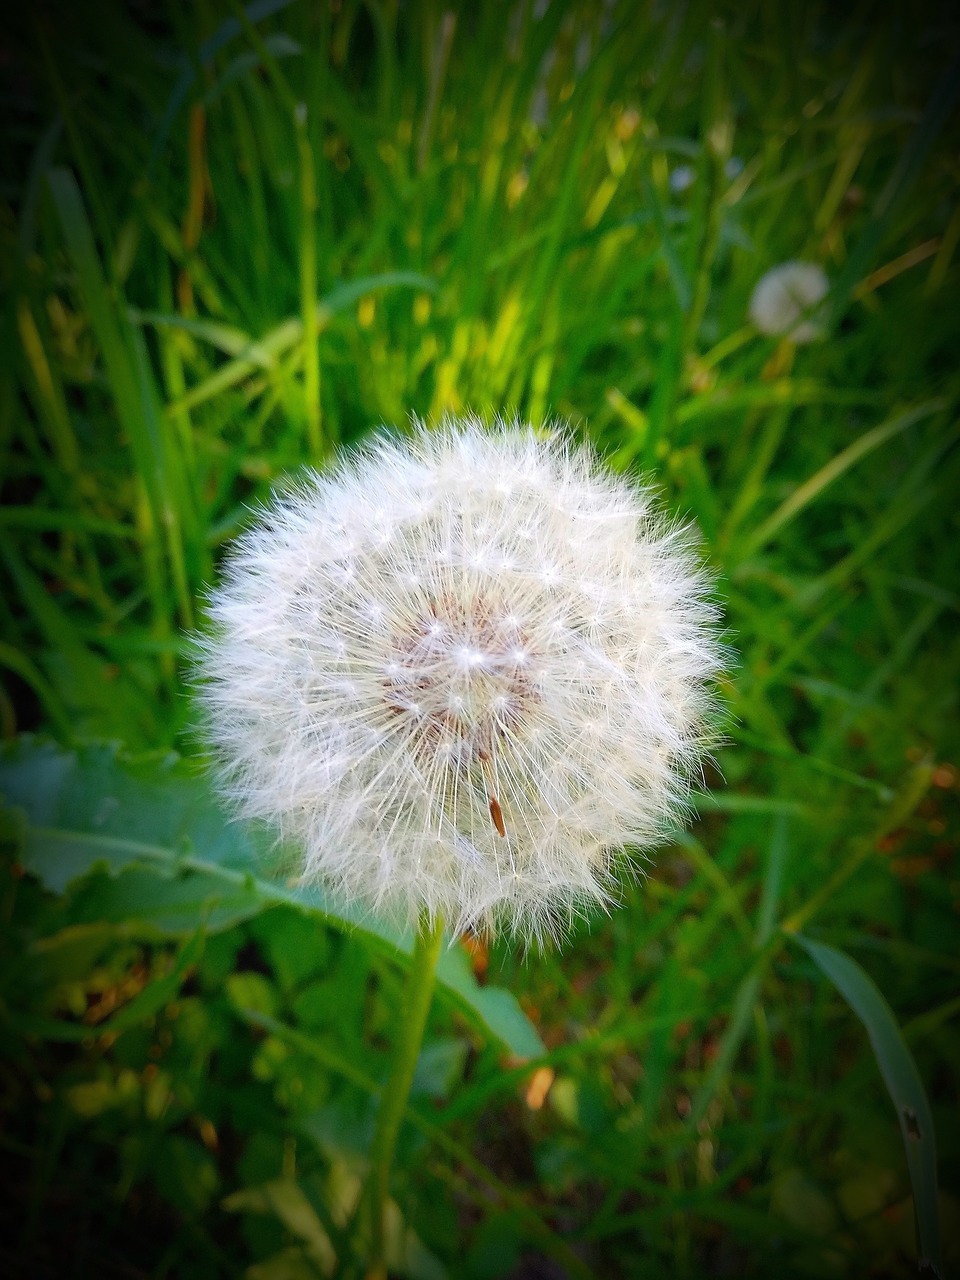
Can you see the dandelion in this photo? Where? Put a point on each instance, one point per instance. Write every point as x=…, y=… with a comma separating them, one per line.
x=681, y=178
x=783, y=299
x=463, y=673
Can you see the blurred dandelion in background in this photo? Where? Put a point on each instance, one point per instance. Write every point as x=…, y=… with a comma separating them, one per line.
x=461, y=672
x=681, y=178
x=783, y=300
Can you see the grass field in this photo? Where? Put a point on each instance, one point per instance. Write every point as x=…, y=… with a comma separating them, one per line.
x=236, y=240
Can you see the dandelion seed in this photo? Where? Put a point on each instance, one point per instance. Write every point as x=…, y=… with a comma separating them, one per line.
x=682, y=177
x=463, y=673
x=782, y=301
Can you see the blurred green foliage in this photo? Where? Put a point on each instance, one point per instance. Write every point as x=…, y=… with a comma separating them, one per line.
x=236, y=239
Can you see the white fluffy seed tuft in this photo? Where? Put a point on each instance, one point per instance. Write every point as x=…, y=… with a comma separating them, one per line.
x=785, y=301
x=462, y=672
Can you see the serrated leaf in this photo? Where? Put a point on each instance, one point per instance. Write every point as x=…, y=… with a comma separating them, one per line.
x=161, y=902
x=903, y=1083
x=176, y=863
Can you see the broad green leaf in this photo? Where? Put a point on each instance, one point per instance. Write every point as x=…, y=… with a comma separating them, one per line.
x=142, y=842
x=491, y=1007
x=903, y=1083
x=168, y=904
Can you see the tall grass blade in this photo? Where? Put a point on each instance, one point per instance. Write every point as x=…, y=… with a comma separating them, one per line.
x=900, y=1074
x=227, y=31
x=905, y=173
x=811, y=489
x=133, y=391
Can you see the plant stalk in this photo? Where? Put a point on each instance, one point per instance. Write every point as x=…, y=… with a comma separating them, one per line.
x=393, y=1101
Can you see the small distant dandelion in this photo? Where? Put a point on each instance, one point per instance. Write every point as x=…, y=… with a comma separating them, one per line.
x=682, y=177
x=461, y=672
x=783, y=299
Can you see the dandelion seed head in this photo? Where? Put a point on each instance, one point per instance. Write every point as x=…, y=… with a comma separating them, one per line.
x=468, y=673
x=783, y=299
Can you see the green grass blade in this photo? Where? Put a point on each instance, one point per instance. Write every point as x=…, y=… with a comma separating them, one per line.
x=811, y=489
x=132, y=387
x=903, y=1083
x=904, y=175
x=748, y=992
x=51, y=402
x=679, y=281
x=226, y=338
x=773, y=880
x=227, y=31
x=792, y=392
x=43, y=519
x=31, y=675
x=266, y=351
x=914, y=787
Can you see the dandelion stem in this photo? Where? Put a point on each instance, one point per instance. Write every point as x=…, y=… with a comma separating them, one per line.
x=393, y=1101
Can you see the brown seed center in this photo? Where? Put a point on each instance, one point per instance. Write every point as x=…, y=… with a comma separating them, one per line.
x=461, y=675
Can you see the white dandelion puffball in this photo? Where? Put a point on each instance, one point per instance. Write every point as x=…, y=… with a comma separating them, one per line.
x=461, y=672
x=782, y=300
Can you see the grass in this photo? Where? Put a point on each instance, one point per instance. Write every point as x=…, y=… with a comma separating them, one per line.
x=235, y=240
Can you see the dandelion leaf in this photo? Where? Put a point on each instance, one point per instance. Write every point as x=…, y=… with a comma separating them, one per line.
x=141, y=842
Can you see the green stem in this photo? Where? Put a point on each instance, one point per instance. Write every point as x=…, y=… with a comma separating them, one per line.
x=393, y=1101
x=308, y=283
